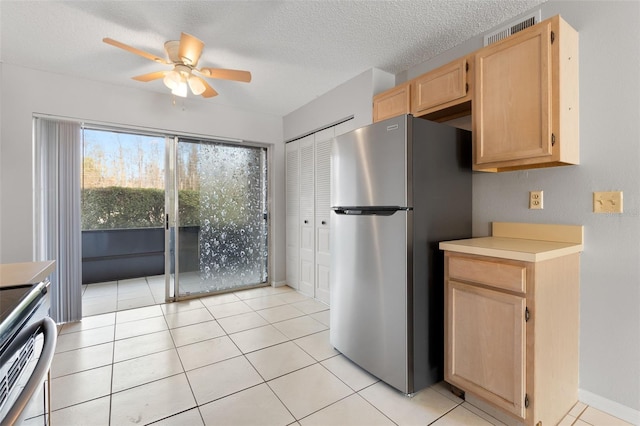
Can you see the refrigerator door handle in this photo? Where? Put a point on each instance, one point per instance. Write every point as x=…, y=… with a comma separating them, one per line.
x=370, y=211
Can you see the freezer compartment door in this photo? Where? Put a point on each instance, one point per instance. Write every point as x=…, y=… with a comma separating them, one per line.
x=369, y=165
x=369, y=293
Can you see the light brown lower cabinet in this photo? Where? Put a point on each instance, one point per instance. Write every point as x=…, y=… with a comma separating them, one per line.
x=511, y=333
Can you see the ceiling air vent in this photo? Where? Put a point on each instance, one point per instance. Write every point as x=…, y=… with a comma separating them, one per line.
x=512, y=28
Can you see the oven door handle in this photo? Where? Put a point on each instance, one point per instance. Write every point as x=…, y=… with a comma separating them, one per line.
x=49, y=332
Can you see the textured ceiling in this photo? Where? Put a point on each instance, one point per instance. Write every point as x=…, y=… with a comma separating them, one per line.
x=295, y=50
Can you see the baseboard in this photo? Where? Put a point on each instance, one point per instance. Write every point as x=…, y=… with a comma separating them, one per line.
x=278, y=283
x=610, y=407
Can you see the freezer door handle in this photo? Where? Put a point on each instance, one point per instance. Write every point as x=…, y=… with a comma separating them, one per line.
x=370, y=211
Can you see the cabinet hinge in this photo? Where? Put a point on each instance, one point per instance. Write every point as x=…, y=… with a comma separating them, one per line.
x=526, y=401
x=466, y=66
x=466, y=86
x=527, y=315
x=553, y=139
x=553, y=37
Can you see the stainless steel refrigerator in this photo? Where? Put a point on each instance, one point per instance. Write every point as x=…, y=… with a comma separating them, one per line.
x=398, y=187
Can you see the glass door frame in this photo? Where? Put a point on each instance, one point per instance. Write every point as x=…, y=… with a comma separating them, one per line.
x=172, y=241
x=170, y=215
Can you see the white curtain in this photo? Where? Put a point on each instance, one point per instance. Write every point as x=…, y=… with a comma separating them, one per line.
x=57, y=174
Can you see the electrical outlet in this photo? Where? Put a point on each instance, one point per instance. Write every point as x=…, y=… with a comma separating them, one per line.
x=607, y=202
x=535, y=200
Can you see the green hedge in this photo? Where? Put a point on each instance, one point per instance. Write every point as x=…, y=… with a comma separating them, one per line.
x=117, y=208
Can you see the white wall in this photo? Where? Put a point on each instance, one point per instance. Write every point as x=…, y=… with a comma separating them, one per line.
x=609, y=160
x=25, y=92
x=352, y=98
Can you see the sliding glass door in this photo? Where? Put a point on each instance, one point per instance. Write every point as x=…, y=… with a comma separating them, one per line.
x=217, y=217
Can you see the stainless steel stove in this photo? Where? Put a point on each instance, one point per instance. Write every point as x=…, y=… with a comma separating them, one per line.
x=27, y=344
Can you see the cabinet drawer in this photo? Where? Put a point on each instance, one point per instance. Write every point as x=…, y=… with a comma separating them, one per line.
x=494, y=273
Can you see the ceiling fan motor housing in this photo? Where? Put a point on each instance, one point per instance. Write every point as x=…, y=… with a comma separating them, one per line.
x=184, y=70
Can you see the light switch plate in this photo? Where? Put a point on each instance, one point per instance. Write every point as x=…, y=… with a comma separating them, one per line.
x=607, y=202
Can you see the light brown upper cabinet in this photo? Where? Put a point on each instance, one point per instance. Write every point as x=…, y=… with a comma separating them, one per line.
x=525, y=105
x=439, y=90
x=392, y=103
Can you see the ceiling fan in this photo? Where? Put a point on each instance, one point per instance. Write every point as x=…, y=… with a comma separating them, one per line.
x=183, y=55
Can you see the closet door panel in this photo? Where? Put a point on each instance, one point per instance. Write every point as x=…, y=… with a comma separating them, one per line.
x=323, y=142
x=307, y=218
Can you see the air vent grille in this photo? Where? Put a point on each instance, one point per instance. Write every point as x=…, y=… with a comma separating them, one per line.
x=512, y=28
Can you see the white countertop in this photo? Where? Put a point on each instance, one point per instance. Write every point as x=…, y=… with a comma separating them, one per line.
x=542, y=242
x=512, y=248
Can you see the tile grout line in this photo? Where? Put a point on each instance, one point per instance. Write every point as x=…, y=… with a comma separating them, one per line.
x=355, y=392
x=113, y=358
x=446, y=413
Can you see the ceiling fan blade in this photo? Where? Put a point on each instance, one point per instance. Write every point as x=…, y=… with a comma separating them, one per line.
x=225, y=74
x=209, y=91
x=150, y=76
x=134, y=50
x=190, y=49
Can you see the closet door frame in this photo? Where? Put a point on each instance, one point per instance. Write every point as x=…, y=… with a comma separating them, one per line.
x=292, y=213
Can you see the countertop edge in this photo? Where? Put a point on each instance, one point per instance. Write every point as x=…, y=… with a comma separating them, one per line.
x=510, y=254
x=15, y=274
x=529, y=242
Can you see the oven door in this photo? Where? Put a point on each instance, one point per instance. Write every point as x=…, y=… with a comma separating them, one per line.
x=25, y=363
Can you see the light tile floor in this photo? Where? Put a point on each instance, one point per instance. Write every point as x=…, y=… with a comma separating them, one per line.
x=112, y=296
x=253, y=357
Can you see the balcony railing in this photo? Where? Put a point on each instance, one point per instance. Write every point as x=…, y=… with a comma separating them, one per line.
x=118, y=254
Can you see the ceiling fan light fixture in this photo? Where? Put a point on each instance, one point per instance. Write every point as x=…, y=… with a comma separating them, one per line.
x=183, y=55
x=172, y=79
x=196, y=85
x=180, y=90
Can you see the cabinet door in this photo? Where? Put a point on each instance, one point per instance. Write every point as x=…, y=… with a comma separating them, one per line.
x=307, y=228
x=322, y=212
x=292, y=213
x=439, y=87
x=485, y=344
x=392, y=103
x=512, y=101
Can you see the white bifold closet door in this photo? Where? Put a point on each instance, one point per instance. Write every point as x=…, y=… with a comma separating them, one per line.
x=322, y=190
x=308, y=176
